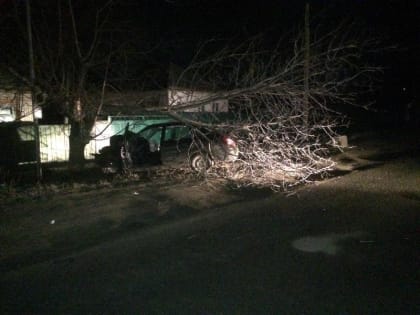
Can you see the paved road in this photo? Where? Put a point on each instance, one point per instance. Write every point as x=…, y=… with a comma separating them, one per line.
x=348, y=245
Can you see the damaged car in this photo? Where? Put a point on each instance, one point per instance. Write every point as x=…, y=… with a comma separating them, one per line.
x=172, y=145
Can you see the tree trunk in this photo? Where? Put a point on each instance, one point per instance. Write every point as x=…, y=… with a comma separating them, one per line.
x=78, y=139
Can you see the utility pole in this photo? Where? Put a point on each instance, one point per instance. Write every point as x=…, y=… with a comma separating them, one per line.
x=306, y=67
x=32, y=78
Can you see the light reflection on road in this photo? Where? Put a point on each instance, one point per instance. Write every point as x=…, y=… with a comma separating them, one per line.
x=327, y=244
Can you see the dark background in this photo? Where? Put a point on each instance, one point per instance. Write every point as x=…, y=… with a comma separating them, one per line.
x=186, y=23
x=170, y=31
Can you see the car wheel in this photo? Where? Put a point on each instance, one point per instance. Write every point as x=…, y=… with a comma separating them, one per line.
x=199, y=162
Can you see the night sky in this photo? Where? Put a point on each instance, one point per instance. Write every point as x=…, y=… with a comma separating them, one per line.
x=226, y=18
x=181, y=25
x=193, y=20
x=189, y=22
x=175, y=28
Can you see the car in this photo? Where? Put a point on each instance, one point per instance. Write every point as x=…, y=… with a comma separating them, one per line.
x=171, y=144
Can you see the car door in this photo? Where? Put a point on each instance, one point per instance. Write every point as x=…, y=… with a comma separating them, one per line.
x=174, y=146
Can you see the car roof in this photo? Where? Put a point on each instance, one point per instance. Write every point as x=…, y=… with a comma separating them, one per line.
x=176, y=123
x=167, y=124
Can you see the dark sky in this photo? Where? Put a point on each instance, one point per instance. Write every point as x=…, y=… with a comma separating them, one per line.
x=192, y=21
x=185, y=23
x=227, y=18
x=188, y=22
x=177, y=27
x=182, y=24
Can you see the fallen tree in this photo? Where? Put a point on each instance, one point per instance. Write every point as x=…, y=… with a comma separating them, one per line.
x=284, y=128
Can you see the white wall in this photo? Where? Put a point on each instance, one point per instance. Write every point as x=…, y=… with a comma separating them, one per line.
x=19, y=101
x=102, y=132
x=182, y=96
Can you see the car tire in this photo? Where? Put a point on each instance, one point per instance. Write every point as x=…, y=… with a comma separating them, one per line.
x=199, y=162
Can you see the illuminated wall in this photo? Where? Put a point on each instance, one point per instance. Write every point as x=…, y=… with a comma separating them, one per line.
x=15, y=105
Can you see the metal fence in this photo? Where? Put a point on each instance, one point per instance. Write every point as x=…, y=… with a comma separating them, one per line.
x=54, y=139
x=54, y=143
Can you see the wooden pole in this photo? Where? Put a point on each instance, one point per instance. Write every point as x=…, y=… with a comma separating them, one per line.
x=306, y=66
x=32, y=78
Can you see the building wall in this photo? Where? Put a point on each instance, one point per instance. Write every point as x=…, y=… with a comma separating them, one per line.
x=182, y=96
x=15, y=105
x=134, y=102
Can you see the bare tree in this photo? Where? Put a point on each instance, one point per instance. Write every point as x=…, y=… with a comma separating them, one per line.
x=76, y=45
x=283, y=140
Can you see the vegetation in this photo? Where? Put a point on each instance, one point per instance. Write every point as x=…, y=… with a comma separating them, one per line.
x=283, y=99
x=284, y=106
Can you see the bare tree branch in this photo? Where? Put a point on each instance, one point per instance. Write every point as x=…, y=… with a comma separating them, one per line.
x=281, y=143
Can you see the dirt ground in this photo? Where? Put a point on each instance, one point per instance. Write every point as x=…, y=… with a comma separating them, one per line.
x=344, y=245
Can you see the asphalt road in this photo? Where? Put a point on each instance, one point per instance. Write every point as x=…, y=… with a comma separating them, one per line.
x=347, y=245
